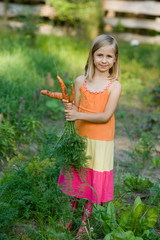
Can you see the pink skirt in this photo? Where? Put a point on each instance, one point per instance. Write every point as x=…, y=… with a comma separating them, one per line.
x=97, y=183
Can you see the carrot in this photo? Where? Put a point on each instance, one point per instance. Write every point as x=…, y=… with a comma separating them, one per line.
x=72, y=93
x=63, y=88
x=56, y=95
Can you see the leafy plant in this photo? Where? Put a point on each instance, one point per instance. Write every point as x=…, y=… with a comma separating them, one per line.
x=29, y=27
x=119, y=27
x=138, y=183
x=150, y=122
x=79, y=14
x=155, y=163
x=133, y=223
x=144, y=147
x=29, y=190
x=27, y=127
x=70, y=150
x=155, y=92
x=7, y=139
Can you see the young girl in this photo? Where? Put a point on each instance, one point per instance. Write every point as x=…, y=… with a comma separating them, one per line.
x=96, y=98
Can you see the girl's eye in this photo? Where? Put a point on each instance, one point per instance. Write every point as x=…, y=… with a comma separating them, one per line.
x=99, y=55
x=109, y=56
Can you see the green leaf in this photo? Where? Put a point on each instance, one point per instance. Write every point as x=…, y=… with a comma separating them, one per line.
x=108, y=237
x=104, y=216
x=139, y=179
x=111, y=215
x=137, y=208
x=129, y=235
x=126, y=219
x=106, y=227
x=111, y=209
x=152, y=217
x=118, y=234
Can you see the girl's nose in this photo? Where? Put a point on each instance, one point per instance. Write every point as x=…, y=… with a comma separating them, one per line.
x=104, y=59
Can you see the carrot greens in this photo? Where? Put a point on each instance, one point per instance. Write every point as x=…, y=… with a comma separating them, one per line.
x=70, y=150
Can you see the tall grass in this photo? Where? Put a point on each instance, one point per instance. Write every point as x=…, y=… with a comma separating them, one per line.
x=23, y=69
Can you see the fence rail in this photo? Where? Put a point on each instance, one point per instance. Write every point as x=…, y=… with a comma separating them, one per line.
x=15, y=9
x=134, y=23
x=117, y=13
x=126, y=14
x=136, y=7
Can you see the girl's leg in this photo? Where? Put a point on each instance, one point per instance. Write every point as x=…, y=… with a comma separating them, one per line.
x=74, y=205
x=87, y=213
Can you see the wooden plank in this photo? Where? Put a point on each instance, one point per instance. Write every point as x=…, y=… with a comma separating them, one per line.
x=49, y=29
x=136, y=7
x=45, y=29
x=22, y=10
x=134, y=23
x=140, y=38
x=29, y=1
x=2, y=9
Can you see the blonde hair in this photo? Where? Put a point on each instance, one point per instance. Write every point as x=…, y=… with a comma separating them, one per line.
x=99, y=42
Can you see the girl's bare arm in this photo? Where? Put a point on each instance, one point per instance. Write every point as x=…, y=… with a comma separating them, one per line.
x=103, y=117
x=78, y=84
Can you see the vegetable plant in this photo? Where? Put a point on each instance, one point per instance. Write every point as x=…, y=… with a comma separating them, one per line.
x=135, y=222
x=137, y=183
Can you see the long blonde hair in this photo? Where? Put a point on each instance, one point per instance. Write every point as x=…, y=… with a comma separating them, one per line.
x=101, y=41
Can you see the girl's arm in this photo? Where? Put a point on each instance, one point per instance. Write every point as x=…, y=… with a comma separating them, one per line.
x=103, y=117
x=77, y=89
x=78, y=84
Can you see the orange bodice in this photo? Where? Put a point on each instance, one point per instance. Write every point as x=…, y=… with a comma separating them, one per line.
x=95, y=102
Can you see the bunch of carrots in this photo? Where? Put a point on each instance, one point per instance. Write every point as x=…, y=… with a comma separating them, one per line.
x=63, y=94
x=70, y=149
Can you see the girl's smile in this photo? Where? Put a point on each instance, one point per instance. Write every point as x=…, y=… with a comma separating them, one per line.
x=104, y=58
x=103, y=66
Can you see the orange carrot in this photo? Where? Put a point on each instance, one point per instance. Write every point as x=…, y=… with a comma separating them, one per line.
x=63, y=88
x=56, y=95
x=72, y=93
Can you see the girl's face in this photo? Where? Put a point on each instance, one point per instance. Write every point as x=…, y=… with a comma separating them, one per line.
x=104, y=58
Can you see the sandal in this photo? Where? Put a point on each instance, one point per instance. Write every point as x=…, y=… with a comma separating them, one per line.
x=82, y=233
x=69, y=225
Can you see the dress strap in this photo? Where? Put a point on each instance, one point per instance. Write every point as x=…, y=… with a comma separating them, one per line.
x=109, y=84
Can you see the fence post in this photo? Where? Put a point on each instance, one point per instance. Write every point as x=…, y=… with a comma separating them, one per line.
x=6, y=4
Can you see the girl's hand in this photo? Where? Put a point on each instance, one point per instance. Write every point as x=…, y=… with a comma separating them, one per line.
x=71, y=114
x=67, y=104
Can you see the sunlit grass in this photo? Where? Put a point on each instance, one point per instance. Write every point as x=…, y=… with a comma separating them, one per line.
x=70, y=54
x=17, y=66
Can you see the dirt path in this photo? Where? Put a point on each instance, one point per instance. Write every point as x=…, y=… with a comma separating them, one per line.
x=122, y=144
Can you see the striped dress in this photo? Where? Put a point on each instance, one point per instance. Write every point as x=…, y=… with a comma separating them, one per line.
x=98, y=185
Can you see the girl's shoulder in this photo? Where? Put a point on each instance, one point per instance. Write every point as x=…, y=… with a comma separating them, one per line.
x=79, y=81
x=115, y=86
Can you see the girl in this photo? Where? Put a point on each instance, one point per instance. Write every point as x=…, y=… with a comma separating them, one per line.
x=96, y=98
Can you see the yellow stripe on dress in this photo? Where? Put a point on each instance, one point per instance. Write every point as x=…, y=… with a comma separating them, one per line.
x=102, y=155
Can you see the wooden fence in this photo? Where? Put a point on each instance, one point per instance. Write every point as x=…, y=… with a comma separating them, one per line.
x=9, y=13
x=133, y=15
x=14, y=9
x=129, y=15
